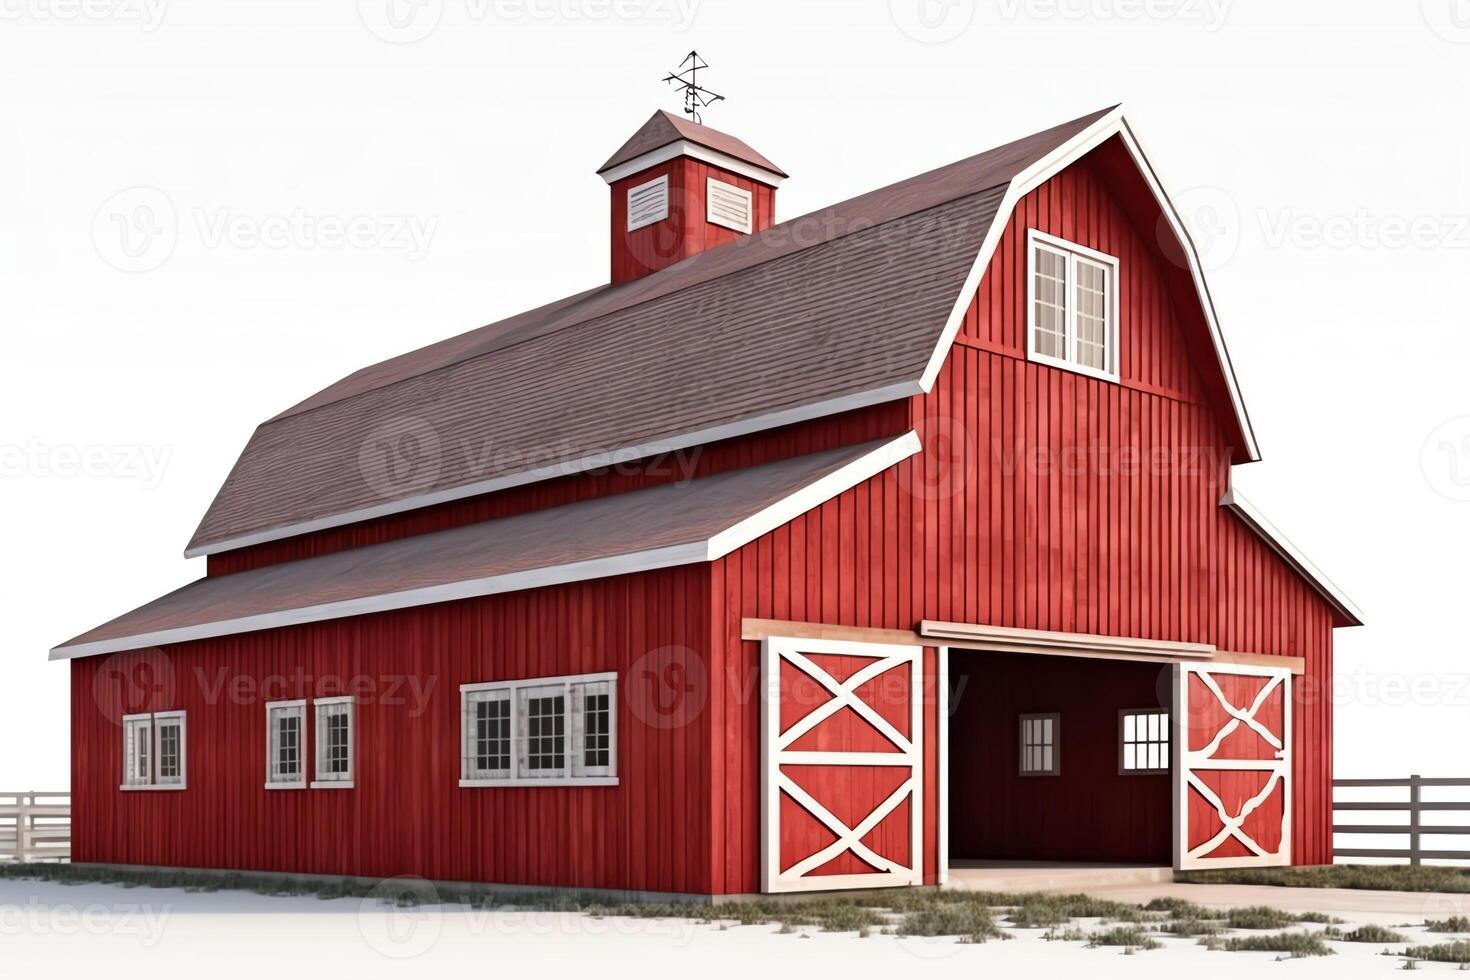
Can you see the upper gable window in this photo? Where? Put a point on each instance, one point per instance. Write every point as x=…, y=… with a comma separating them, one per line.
x=1072, y=306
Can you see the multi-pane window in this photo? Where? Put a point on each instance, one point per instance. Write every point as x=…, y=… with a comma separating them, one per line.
x=1040, y=735
x=487, y=735
x=542, y=731
x=286, y=735
x=334, y=761
x=1072, y=308
x=155, y=751
x=543, y=739
x=1145, y=741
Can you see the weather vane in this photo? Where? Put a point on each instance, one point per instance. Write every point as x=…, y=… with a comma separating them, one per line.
x=687, y=78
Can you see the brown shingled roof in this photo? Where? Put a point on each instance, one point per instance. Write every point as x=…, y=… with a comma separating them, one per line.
x=837, y=309
x=664, y=128
x=659, y=527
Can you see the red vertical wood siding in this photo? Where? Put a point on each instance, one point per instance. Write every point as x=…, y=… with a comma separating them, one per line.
x=1042, y=499
x=407, y=813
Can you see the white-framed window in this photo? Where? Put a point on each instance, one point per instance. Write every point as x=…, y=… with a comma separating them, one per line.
x=155, y=750
x=1040, y=738
x=1071, y=306
x=285, y=745
x=333, y=720
x=1143, y=741
x=547, y=731
x=648, y=203
x=728, y=206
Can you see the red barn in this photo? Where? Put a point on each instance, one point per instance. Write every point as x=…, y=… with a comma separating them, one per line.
x=798, y=556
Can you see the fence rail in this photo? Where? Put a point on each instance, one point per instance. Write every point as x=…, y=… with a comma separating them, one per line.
x=1416, y=830
x=35, y=826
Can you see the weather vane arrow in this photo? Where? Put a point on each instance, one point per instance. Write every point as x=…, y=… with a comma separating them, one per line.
x=696, y=97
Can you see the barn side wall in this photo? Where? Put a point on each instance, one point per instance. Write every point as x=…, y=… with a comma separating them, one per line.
x=407, y=814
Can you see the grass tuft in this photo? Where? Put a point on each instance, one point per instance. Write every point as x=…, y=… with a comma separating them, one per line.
x=1443, y=953
x=1131, y=937
x=1379, y=877
x=970, y=922
x=1365, y=934
x=1294, y=944
x=1455, y=923
x=1192, y=927
x=1259, y=917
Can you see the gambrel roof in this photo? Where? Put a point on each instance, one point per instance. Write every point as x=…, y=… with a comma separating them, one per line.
x=849, y=306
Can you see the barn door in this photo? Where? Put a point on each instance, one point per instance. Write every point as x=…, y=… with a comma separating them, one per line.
x=1232, y=766
x=841, y=765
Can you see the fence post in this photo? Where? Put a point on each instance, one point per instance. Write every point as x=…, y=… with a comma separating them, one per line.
x=1414, y=824
x=23, y=825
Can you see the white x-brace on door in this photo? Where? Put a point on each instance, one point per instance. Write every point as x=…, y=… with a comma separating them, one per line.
x=1232, y=766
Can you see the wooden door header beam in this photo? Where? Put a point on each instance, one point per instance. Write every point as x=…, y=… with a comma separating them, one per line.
x=1000, y=639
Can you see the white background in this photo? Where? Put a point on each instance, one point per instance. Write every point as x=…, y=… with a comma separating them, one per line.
x=1276, y=125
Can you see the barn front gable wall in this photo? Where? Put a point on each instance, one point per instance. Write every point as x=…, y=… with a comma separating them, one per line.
x=1042, y=499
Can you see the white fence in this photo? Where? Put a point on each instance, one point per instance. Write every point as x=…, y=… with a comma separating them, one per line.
x=35, y=826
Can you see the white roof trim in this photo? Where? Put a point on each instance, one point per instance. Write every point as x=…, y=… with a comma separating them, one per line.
x=684, y=148
x=1110, y=125
x=721, y=544
x=688, y=440
x=1279, y=543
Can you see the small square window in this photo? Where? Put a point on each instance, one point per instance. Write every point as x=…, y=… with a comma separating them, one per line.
x=1144, y=741
x=1040, y=738
x=155, y=751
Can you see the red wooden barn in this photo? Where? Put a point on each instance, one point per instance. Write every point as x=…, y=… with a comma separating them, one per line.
x=798, y=556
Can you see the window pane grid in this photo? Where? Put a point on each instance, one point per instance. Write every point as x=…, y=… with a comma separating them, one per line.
x=1146, y=741
x=560, y=730
x=287, y=733
x=334, y=742
x=1039, y=744
x=1072, y=306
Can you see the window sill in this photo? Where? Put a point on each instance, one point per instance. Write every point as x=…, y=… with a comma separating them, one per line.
x=1075, y=368
x=300, y=785
x=1143, y=772
x=332, y=784
x=549, y=781
x=153, y=789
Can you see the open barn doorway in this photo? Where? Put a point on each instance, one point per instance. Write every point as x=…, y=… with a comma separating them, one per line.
x=1058, y=760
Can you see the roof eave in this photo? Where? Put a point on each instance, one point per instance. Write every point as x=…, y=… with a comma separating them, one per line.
x=737, y=535
x=1347, y=611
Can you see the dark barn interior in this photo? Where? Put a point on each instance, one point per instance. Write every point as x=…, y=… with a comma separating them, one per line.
x=1089, y=810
